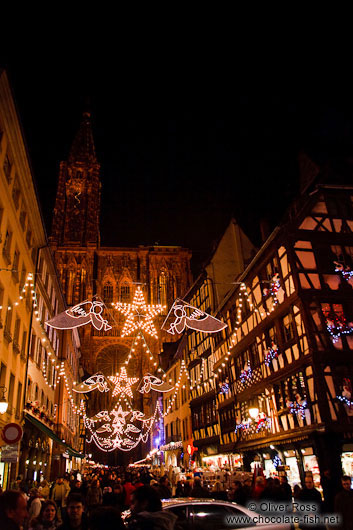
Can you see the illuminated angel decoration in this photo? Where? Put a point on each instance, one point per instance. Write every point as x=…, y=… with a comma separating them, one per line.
x=151, y=382
x=122, y=429
x=96, y=381
x=188, y=316
x=80, y=315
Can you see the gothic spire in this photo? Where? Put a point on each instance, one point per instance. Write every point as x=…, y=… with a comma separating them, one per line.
x=83, y=149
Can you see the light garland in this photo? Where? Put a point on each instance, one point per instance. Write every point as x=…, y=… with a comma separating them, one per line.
x=224, y=387
x=345, y=271
x=263, y=423
x=171, y=446
x=123, y=383
x=246, y=374
x=337, y=325
x=274, y=288
x=272, y=353
x=345, y=400
x=139, y=315
x=298, y=408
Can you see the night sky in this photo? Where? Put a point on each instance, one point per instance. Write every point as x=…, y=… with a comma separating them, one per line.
x=184, y=146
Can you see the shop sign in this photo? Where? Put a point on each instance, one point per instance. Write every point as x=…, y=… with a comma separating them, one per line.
x=10, y=453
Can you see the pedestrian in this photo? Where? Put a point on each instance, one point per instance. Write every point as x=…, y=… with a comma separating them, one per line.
x=107, y=518
x=183, y=488
x=44, y=489
x=309, y=493
x=34, y=505
x=237, y=493
x=147, y=513
x=259, y=487
x=343, y=504
x=198, y=491
x=75, y=518
x=330, y=488
x=59, y=494
x=286, y=490
x=48, y=518
x=94, y=495
x=163, y=489
x=76, y=487
x=13, y=510
x=128, y=489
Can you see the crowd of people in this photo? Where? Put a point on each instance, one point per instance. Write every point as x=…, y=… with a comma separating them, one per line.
x=96, y=500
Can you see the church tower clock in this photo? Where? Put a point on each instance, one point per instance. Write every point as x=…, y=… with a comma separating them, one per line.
x=77, y=206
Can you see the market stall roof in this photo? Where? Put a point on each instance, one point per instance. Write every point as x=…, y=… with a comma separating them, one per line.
x=53, y=436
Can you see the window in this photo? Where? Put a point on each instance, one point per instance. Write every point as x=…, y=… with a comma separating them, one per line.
x=15, y=264
x=288, y=327
x=6, y=249
x=2, y=374
x=29, y=237
x=8, y=320
x=18, y=402
x=24, y=343
x=33, y=346
x=11, y=391
x=108, y=293
x=125, y=295
x=163, y=290
x=16, y=335
x=7, y=168
x=29, y=390
x=16, y=193
x=23, y=216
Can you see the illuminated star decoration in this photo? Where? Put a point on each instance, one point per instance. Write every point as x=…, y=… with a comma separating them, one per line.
x=139, y=315
x=123, y=383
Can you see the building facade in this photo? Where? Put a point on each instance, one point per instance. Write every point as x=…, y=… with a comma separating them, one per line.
x=287, y=350
x=29, y=294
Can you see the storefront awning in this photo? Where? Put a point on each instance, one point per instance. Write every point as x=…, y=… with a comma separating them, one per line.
x=52, y=435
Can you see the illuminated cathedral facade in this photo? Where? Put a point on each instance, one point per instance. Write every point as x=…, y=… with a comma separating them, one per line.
x=88, y=270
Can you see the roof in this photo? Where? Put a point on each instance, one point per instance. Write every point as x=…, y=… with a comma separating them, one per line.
x=83, y=149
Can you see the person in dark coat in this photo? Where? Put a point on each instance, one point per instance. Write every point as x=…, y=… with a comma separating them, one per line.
x=183, y=488
x=343, y=504
x=163, y=489
x=13, y=510
x=310, y=494
x=75, y=518
x=198, y=492
x=147, y=513
x=330, y=488
x=107, y=518
x=286, y=490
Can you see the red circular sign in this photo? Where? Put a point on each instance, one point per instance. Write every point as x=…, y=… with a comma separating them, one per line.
x=12, y=433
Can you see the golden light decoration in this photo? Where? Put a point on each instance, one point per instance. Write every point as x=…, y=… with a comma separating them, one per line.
x=139, y=315
x=123, y=383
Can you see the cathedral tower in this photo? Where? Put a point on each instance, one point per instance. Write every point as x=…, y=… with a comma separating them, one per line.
x=77, y=205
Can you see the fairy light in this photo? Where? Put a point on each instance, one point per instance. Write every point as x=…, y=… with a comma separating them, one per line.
x=139, y=315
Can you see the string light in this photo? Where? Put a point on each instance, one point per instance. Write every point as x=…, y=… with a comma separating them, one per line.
x=139, y=315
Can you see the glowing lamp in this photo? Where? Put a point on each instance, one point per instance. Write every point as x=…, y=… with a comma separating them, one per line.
x=254, y=412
